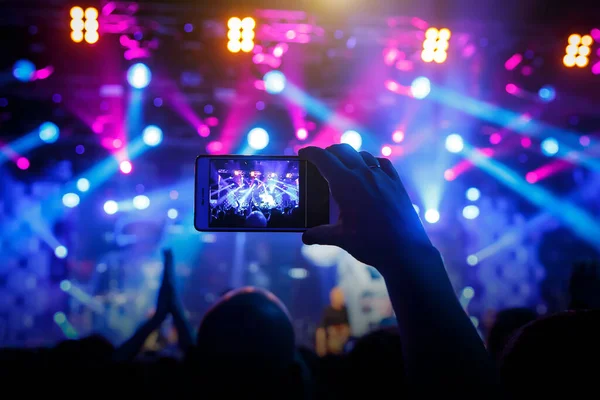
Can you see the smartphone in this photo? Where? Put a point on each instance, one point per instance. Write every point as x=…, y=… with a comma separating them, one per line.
x=260, y=193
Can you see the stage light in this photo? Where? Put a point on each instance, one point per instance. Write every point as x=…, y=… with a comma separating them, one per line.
x=258, y=138
x=581, y=61
x=352, y=138
x=126, y=167
x=139, y=76
x=84, y=25
x=71, y=200
x=386, y=151
x=420, y=88
x=578, y=50
x=83, y=185
x=61, y=252
x=302, y=134
x=23, y=163
x=470, y=212
x=152, y=135
x=141, y=202
x=468, y=292
x=274, y=82
x=23, y=70
x=435, y=45
x=454, y=143
x=398, y=136
x=432, y=216
x=60, y=318
x=49, y=132
x=547, y=93
x=472, y=260
x=172, y=213
x=65, y=285
x=473, y=194
x=111, y=207
x=240, y=34
x=550, y=146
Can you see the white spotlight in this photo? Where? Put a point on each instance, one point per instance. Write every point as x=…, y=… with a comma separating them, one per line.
x=258, y=138
x=352, y=138
x=111, y=207
x=471, y=212
x=141, y=202
x=70, y=200
x=172, y=213
x=454, y=143
x=432, y=216
x=152, y=135
x=61, y=252
x=83, y=185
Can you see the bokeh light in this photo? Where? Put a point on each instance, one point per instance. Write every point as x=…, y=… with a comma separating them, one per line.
x=547, y=93
x=398, y=136
x=468, y=292
x=23, y=70
x=302, y=134
x=172, y=213
x=61, y=252
x=23, y=163
x=258, y=138
x=141, y=202
x=111, y=207
x=126, y=167
x=473, y=194
x=70, y=200
x=274, y=82
x=352, y=138
x=549, y=146
x=420, y=88
x=472, y=260
x=470, y=212
x=152, y=135
x=386, y=151
x=454, y=143
x=49, y=132
x=83, y=185
x=139, y=76
x=432, y=216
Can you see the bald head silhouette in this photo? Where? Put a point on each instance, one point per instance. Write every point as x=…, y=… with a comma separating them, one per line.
x=248, y=325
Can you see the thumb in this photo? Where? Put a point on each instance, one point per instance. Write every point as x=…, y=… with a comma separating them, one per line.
x=323, y=234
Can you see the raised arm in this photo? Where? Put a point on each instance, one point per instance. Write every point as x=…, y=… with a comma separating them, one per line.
x=378, y=226
x=132, y=346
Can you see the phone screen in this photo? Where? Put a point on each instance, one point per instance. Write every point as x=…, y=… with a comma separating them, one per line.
x=255, y=194
x=249, y=193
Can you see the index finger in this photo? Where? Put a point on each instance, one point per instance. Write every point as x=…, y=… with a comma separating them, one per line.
x=328, y=164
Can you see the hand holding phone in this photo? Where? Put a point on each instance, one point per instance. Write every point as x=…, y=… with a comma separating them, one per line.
x=377, y=222
x=265, y=194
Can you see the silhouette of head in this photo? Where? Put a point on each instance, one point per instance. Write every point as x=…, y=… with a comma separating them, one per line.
x=247, y=326
x=256, y=219
x=506, y=324
x=560, y=350
x=336, y=297
x=377, y=357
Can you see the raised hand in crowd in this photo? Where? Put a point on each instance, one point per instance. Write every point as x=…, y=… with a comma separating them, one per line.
x=584, y=286
x=167, y=303
x=378, y=226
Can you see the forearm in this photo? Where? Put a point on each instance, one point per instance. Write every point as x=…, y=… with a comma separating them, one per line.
x=440, y=344
x=131, y=347
x=185, y=336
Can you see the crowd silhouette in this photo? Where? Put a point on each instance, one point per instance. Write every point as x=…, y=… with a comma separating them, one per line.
x=245, y=344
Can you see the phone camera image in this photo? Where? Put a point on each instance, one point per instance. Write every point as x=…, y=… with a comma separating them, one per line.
x=255, y=194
